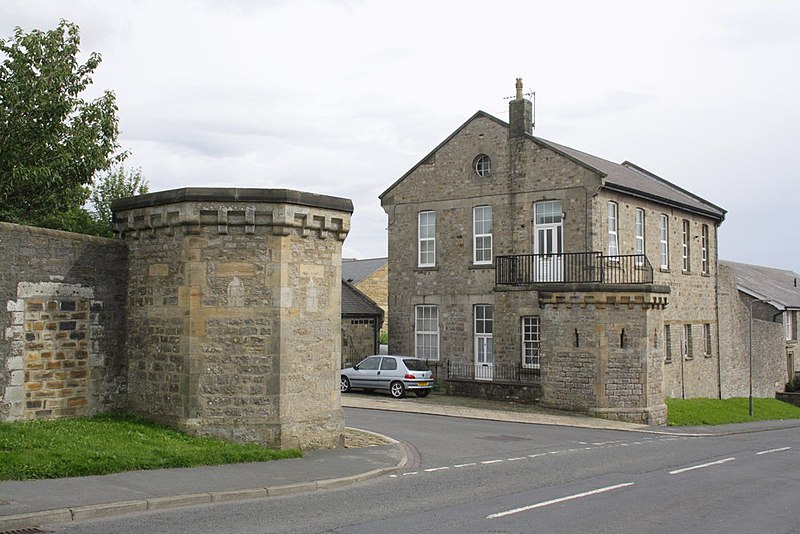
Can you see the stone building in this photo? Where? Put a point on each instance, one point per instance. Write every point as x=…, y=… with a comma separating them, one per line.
x=361, y=323
x=516, y=259
x=759, y=307
x=218, y=311
x=371, y=277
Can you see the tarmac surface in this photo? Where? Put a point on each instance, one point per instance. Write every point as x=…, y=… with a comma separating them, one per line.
x=25, y=504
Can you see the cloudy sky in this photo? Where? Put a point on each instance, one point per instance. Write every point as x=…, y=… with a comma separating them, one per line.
x=341, y=97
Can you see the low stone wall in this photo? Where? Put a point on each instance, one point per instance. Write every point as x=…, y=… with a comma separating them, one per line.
x=509, y=391
x=791, y=398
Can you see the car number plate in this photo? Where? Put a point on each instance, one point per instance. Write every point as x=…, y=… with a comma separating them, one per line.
x=423, y=383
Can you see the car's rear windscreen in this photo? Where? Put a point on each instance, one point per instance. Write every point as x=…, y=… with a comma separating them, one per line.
x=416, y=365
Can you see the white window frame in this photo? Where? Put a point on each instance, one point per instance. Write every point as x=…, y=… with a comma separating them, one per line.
x=426, y=331
x=704, y=266
x=483, y=326
x=426, y=239
x=483, y=165
x=707, y=348
x=686, y=341
x=668, y=342
x=686, y=236
x=482, y=235
x=613, y=228
x=531, y=341
x=663, y=241
x=639, y=237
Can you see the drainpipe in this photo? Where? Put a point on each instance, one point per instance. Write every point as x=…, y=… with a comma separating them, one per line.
x=683, y=379
x=751, y=351
x=716, y=310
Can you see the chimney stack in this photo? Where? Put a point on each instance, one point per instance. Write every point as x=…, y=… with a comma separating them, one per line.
x=520, y=114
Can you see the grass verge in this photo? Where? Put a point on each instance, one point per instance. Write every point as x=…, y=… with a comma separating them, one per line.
x=112, y=443
x=695, y=412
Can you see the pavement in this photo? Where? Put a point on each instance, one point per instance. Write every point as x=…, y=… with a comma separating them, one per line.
x=26, y=504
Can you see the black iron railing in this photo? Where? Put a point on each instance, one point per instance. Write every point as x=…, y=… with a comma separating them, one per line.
x=496, y=372
x=576, y=267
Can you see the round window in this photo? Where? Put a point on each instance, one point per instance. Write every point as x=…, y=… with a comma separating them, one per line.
x=483, y=165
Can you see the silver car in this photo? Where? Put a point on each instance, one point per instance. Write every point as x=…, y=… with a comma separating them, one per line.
x=397, y=374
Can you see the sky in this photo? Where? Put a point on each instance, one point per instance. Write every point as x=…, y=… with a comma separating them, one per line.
x=342, y=97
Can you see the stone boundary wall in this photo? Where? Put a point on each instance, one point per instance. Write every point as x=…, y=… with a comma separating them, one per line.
x=791, y=398
x=62, y=325
x=507, y=391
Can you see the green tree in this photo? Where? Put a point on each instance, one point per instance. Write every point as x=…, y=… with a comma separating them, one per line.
x=52, y=142
x=112, y=185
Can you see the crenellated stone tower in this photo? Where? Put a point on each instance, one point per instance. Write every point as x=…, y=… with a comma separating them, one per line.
x=234, y=312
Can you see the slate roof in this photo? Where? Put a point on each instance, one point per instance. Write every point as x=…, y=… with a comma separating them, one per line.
x=777, y=285
x=624, y=177
x=629, y=178
x=356, y=303
x=354, y=271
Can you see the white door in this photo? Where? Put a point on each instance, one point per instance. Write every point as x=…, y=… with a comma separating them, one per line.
x=484, y=351
x=548, y=242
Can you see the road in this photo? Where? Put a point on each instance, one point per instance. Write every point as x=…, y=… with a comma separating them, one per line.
x=485, y=476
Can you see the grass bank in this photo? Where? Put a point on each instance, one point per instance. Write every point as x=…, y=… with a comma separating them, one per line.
x=112, y=443
x=695, y=412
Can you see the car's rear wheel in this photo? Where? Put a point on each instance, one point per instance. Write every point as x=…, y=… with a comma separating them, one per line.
x=344, y=385
x=422, y=392
x=397, y=389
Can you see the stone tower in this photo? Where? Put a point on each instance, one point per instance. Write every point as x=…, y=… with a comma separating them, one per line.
x=234, y=312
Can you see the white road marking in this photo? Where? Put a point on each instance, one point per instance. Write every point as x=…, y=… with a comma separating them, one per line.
x=556, y=501
x=604, y=444
x=774, y=450
x=718, y=462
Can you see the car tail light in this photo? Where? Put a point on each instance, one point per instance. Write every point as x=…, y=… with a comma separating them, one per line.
x=409, y=376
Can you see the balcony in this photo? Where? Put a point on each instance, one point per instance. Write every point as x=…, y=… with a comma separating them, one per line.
x=572, y=268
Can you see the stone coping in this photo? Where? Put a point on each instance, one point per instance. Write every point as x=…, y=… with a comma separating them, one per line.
x=233, y=194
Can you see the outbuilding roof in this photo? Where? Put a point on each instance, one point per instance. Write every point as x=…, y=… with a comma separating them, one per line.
x=357, y=304
x=354, y=270
x=778, y=286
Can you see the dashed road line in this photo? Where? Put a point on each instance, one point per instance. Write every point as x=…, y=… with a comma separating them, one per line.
x=701, y=466
x=597, y=445
x=559, y=500
x=773, y=450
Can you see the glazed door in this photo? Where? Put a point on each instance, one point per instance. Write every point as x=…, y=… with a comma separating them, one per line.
x=484, y=349
x=548, y=242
